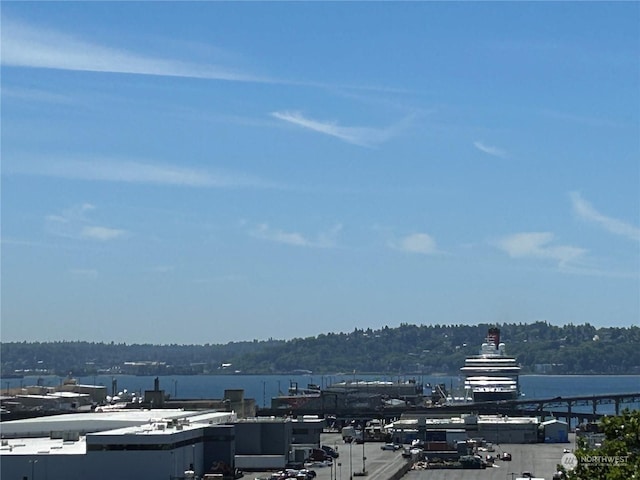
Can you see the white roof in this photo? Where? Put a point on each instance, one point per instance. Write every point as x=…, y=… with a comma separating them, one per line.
x=34, y=446
x=102, y=421
x=34, y=434
x=493, y=419
x=552, y=421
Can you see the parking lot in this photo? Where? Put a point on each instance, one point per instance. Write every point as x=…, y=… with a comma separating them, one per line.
x=540, y=459
x=379, y=464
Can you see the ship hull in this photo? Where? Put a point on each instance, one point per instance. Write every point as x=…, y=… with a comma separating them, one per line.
x=494, y=396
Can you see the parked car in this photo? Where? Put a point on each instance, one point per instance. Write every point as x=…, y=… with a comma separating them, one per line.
x=408, y=452
x=291, y=473
x=506, y=456
x=330, y=451
x=390, y=446
x=319, y=455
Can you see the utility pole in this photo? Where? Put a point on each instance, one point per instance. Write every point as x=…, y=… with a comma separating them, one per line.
x=364, y=470
x=350, y=461
x=33, y=468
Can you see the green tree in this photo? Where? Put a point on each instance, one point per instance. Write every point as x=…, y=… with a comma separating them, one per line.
x=619, y=456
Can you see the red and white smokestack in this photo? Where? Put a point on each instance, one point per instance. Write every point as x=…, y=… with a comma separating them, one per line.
x=494, y=336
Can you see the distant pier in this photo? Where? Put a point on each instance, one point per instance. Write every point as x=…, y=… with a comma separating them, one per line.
x=559, y=407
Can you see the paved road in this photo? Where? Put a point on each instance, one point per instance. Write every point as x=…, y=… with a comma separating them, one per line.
x=540, y=459
x=379, y=464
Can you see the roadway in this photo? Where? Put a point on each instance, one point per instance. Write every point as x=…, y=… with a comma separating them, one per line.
x=540, y=459
x=379, y=464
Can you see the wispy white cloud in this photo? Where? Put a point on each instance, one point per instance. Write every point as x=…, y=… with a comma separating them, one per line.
x=326, y=239
x=490, y=150
x=101, y=233
x=34, y=95
x=74, y=223
x=362, y=136
x=538, y=245
x=24, y=45
x=422, y=243
x=586, y=212
x=113, y=170
x=35, y=46
x=84, y=273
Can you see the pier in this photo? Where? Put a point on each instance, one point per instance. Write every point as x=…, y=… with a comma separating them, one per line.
x=563, y=407
x=569, y=408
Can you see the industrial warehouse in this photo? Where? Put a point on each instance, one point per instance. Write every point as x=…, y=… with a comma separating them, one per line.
x=151, y=444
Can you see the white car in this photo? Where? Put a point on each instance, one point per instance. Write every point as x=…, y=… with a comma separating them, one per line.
x=390, y=446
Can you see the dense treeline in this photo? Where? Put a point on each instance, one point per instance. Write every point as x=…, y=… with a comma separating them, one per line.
x=87, y=358
x=539, y=348
x=617, y=458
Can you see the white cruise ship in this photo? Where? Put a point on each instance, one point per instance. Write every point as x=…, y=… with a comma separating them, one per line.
x=491, y=375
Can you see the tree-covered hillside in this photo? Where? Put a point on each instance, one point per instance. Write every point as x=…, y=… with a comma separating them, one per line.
x=539, y=348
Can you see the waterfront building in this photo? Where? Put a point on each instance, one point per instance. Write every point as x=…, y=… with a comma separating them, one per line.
x=555, y=431
x=492, y=428
x=124, y=444
x=150, y=443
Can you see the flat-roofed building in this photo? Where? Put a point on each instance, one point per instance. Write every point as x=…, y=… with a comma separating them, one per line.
x=269, y=442
x=493, y=428
x=149, y=443
x=124, y=445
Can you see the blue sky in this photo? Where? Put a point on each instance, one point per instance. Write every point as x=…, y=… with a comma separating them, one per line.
x=218, y=171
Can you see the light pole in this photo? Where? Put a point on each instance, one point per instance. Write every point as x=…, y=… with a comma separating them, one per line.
x=33, y=468
x=364, y=470
x=350, y=462
x=340, y=467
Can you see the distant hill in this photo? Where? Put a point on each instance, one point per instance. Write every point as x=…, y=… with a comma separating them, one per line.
x=426, y=349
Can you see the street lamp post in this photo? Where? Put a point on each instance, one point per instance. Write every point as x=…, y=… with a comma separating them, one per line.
x=350, y=461
x=33, y=468
x=364, y=470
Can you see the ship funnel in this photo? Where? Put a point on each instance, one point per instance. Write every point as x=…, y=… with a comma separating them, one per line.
x=494, y=336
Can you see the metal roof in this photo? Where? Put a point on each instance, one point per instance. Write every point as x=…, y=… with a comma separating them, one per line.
x=102, y=421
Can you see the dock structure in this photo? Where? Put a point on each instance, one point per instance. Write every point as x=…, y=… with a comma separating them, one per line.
x=616, y=399
x=563, y=407
x=568, y=407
